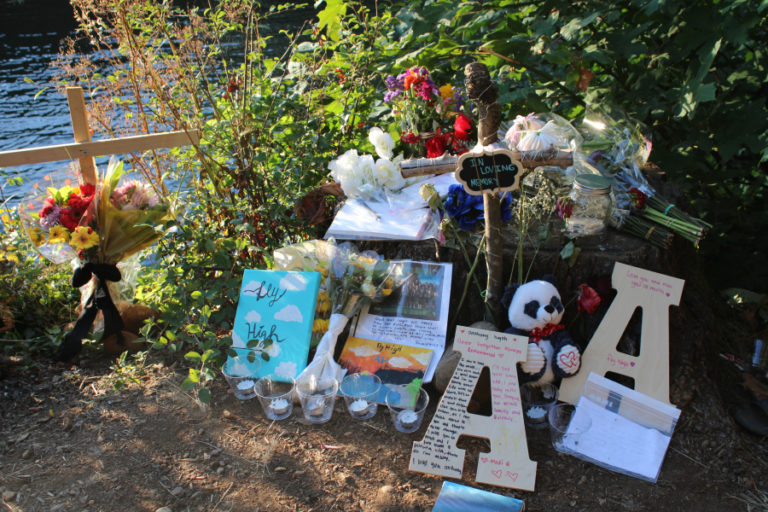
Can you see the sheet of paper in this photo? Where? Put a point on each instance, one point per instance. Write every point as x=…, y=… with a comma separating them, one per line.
x=617, y=442
x=415, y=315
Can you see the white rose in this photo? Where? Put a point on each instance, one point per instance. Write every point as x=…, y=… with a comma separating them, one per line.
x=382, y=141
x=388, y=174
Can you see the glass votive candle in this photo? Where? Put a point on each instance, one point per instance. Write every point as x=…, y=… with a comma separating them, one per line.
x=407, y=409
x=241, y=375
x=360, y=391
x=537, y=399
x=317, y=397
x=566, y=427
x=276, y=396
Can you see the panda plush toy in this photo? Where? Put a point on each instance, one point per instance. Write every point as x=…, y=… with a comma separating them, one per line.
x=535, y=311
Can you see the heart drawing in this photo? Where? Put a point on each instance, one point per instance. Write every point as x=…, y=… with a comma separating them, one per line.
x=496, y=473
x=512, y=476
x=568, y=360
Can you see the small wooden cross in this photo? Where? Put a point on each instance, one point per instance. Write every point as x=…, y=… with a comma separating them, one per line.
x=85, y=150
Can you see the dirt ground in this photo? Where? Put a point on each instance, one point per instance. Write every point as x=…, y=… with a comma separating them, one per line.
x=70, y=442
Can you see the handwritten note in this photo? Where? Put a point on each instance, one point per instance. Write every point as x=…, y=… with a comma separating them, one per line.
x=654, y=293
x=507, y=464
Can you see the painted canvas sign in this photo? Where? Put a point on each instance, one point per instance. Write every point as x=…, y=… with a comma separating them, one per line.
x=398, y=366
x=274, y=321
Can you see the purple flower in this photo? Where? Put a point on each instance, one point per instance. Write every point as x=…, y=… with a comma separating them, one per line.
x=393, y=83
x=52, y=217
x=391, y=95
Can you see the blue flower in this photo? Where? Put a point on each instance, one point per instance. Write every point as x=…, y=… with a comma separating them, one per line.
x=464, y=208
x=467, y=209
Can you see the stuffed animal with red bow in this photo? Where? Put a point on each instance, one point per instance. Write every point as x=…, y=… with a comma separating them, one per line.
x=535, y=310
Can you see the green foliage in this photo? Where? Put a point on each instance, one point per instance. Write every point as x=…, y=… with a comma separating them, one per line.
x=692, y=72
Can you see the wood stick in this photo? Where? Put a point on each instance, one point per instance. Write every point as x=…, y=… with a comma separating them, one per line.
x=82, y=131
x=87, y=150
x=447, y=163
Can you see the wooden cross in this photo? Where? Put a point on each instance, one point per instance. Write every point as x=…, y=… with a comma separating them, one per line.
x=85, y=150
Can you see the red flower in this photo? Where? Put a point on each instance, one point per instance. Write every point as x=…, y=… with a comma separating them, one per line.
x=461, y=127
x=46, y=210
x=87, y=190
x=409, y=138
x=564, y=207
x=68, y=219
x=638, y=198
x=77, y=204
x=588, y=299
x=436, y=145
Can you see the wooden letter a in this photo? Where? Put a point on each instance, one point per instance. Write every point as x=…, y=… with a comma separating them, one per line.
x=652, y=292
x=507, y=464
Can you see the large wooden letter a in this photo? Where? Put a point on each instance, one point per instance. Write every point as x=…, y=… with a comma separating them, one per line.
x=652, y=292
x=507, y=464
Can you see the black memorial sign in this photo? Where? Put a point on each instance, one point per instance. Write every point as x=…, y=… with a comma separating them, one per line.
x=489, y=171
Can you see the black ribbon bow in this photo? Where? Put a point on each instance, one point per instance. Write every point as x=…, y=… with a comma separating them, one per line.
x=99, y=300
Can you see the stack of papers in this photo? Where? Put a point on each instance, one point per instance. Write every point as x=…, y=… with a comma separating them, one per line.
x=629, y=431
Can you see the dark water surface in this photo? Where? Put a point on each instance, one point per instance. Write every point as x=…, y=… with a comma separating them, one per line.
x=30, y=34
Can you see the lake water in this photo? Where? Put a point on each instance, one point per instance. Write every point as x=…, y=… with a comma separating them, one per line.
x=30, y=33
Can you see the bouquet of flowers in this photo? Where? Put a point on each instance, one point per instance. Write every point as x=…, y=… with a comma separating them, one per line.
x=99, y=226
x=362, y=176
x=538, y=134
x=429, y=116
x=616, y=147
x=354, y=279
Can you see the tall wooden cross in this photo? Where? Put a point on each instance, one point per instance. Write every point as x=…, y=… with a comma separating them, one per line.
x=85, y=150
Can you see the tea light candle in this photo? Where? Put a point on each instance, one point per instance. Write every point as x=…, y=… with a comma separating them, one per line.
x=536, y=413
x=279, y=406
x=245, y=385
x=359, y=407
x=316, y=406
x=407, y=418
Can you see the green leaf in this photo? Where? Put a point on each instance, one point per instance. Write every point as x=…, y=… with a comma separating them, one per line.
x=192, y=356
x=204, y=395
x=330, y=18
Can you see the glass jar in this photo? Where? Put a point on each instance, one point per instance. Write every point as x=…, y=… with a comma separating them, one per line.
x=592, y=205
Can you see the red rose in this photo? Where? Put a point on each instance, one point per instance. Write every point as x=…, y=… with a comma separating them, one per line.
x=461, y=127
x=588, y=299
x=68, y=219
x=436, y=145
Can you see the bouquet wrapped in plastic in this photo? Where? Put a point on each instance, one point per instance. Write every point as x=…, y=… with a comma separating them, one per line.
x=615, y=146
x=98, y=225
x=350, y=280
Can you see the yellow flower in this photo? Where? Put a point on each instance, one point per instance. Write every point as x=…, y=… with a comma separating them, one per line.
x=83, y=238
x=446, y=91
x=37, y=236
x=323, y=306
x=8, y=256
x=58, y=235
x=320, y=325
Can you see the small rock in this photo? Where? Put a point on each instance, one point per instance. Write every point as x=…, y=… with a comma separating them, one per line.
x=164, y=509
x=177, y=491
x=9, y=496
x=280, y=469
x=27, y=454
x=100, y=438
x=220, y=470
x=201, y=432
x=299, y=472
x=227, y=414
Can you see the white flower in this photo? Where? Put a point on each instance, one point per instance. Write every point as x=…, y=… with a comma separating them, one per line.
x=520, y=126
x=388, y=174
x=382, y=141
x=345, y=164
x=540, y=140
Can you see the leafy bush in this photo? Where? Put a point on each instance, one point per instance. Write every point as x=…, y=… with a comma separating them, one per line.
x=691, y=72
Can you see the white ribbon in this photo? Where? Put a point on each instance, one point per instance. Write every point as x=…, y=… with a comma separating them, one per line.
x=323, y=366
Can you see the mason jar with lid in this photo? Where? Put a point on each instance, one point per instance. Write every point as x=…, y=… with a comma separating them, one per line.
x=592, y=205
